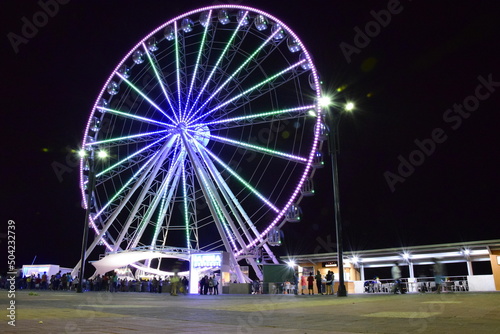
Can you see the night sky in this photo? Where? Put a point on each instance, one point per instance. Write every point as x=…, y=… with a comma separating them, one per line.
x=410, y=78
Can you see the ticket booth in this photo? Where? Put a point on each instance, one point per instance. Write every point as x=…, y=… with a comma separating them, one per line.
x=210, y=264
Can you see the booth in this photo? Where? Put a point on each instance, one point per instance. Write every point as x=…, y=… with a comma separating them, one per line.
x=214, y=264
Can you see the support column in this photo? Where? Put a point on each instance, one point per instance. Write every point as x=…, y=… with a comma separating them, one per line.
x=469, y=268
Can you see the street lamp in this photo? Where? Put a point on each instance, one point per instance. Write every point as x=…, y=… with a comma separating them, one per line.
x=333, y=118
x=90, y=189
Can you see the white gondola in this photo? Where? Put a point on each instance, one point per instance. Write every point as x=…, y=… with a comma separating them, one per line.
x=169, y=33
x=323, y=131
x=318, y=161
x=293, y=44
x=187, y=25
x=293, y=214
x=260, y=22
x=307, y=187
x=274, y=237
x=223, y=17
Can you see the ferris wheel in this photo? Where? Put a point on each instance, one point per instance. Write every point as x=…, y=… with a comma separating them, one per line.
x=211, y=129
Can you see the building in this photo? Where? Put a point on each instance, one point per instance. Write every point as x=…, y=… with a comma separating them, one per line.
x=469, y=266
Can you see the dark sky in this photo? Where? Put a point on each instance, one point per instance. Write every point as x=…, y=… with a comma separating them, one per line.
x=428, y=58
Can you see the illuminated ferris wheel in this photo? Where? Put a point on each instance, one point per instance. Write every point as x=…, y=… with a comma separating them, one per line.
x=211, y=127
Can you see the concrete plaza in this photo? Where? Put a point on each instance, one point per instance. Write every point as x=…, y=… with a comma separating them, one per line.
x=104, y=312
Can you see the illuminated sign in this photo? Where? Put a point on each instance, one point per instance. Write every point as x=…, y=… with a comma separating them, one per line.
x=206, y=260
x=35, y=270
x=330, y=264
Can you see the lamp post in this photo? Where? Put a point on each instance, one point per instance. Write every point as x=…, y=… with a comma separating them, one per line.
x=333, y=120
x=90, y=189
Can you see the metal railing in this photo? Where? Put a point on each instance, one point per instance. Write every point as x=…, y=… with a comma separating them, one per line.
x=418, y=284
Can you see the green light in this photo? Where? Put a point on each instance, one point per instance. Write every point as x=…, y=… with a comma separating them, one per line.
x=259, y=148
x=124, y=114
x=125, y=138
x=261, y=115
x=202, y=44
x=130, y=156
x=229, y=43
x=160, y=81
x=239, y=178
x=143, y=96
x=252, y=88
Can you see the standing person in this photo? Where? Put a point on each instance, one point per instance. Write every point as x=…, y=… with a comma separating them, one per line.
x=174, y=281
x=216, y=285
x=57, y=280
x=310, y=283
x=438, y=275
x=202, y=285
x=329, y=282
x=295, y=283
x=211, y=285
x=114, y=283
x=205, y=285
x=318, y=282
x=396, y=276
x=303, y=283
x=256, y=286
x=44, y=281
x=76, y=281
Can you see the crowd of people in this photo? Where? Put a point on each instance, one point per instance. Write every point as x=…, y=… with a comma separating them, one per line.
x=111, y=283
x=324, y=284
x=209, y=285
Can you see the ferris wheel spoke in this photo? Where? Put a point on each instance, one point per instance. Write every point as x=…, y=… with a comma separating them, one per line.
x=114, y=166
x=119, y=141
x=134, y=117
x=231, y=77
x=127, y=184
x=144, y=96
x=250, y=90
x=177, y=66
x=258, y=149
x=264, y=117
x=239, y=178
x=215, y=67
x=197, y=64
x=154, y=65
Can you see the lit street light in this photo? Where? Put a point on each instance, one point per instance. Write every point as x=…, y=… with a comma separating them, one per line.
x=333, y=118
x=90, y=189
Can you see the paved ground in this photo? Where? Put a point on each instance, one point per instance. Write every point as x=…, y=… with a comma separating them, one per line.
x=92, y=312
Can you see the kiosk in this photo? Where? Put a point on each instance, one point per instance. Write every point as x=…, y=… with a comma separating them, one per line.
x=211, y=264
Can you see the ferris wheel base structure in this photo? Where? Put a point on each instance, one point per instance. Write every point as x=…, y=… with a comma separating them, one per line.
x=200, y=264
